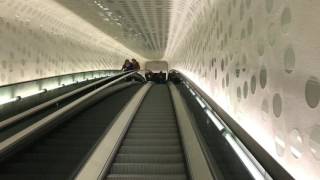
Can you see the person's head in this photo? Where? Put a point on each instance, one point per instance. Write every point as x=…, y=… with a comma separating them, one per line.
x=134, y=60
x=127, y=61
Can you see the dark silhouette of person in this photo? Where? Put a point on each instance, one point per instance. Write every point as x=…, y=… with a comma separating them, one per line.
x=149, y=75
x=127, y=66
x=135, y=65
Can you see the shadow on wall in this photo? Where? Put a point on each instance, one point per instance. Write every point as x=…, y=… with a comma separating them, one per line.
x=259, y=61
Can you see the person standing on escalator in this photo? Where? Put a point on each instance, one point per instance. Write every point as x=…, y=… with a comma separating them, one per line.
x=135, y=65
x=127, y=66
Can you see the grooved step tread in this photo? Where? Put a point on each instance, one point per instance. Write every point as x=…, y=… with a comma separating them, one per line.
x=147, y=168
x=152, y=135
x=152, y=142
x=146, y=177
x=149, y=158
x=150, y=149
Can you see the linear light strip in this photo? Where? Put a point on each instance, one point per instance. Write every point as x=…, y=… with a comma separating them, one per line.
x=252, y=168
x=214, y=120
x=10, y=100
x=254, y=171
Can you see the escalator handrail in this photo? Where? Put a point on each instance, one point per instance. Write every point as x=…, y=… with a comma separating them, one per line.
x=14, y=119
x=101, y=156
x=197, y=159
x=11, y=142
x=274, y=169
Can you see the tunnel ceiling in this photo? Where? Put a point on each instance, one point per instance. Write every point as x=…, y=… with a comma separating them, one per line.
x=140, y=25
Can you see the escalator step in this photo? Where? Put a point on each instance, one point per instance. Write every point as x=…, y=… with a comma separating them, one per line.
x=153, y=130
x=152, y=135
x=147, y=168
x=153, y=142
x=150, y=149
x=149, y=158
x=146, y=177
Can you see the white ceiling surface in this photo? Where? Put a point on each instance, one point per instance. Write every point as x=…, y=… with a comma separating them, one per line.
x=151, y=28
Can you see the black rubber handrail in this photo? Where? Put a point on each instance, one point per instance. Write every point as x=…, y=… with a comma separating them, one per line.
x=14, y=119
x=9, y=145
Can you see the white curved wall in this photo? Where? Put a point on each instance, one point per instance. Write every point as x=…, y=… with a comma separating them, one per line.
x=260, y=60
x=41, y=38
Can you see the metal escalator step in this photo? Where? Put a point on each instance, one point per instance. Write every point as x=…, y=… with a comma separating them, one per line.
x=150, y=149
x=153, y=130
x=153, y=125
x=159, y=121
x=153, y=142
x=149, y=158
x=152, y=135
x=146, y=177
x=147, y=168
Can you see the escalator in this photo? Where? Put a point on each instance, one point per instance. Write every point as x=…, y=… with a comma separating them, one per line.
x=58, y=154
x=152, y=147
x=140, y=133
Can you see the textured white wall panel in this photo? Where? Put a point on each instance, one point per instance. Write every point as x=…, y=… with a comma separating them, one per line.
x=260, y=60
x=41, y=38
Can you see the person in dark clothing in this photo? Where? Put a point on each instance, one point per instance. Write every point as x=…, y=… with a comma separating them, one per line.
x=174, y=77
x=161, y=77
x=127, y=66
x=135, y=65
x=149, y=75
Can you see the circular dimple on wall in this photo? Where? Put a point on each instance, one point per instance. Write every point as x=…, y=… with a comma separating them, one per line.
x=250, y=26
x=229, y=8
x=289, y=59
x=245, y=90
x=260, y=47
x=244, y=62
x=312, y=92
x=263, y=77
x=223, y=83
x=296, y=141
x=277, y=105
x=253, y=84
x=241, y=10
x=215, y=74
x=230, y=31
x=227, y=79
x=248, y=3
x=272, y=34
x=264, y=109
x=239, y=93
x=285, y=19
x=314, y=142
x=269, y=5
x=222, y=64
